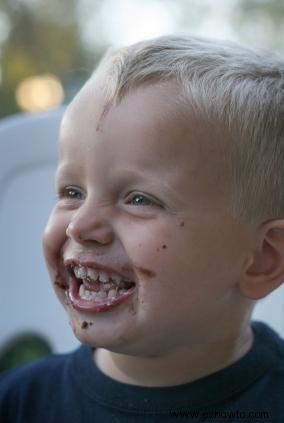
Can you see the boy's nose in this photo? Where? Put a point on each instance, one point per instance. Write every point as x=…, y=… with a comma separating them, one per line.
x=90, y=224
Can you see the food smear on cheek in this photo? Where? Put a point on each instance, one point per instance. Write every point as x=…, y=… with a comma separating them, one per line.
x=58, y=282
x=145, y=272
x=100, y=123
x=67, y=303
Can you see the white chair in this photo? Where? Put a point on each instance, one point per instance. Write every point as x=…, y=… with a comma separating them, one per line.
x=28, y=155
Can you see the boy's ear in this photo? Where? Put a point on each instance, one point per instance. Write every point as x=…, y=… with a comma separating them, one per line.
x=264, y=270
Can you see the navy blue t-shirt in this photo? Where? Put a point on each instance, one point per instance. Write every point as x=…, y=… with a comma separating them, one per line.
x=70, y=388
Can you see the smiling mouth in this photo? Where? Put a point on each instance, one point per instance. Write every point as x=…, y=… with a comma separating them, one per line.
x=93, y=290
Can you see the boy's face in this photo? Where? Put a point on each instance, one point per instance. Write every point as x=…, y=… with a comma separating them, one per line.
x=142, y=193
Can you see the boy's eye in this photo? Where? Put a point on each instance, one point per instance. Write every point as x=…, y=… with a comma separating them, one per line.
x=71, y=193
x=140, y=200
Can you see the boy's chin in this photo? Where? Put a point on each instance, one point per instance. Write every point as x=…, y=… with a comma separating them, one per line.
x=89, y=332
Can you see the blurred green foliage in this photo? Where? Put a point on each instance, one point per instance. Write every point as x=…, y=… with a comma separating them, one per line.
x=42, y=39
x=262, y=20
x=273, y=8
x=46, y=37
x=23, y=349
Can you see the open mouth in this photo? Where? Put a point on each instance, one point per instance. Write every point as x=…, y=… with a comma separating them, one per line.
x=94, y=290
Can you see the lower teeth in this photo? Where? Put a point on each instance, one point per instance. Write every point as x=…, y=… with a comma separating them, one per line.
x=99, y=295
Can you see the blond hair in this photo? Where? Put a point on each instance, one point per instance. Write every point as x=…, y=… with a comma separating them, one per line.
x=230, y=85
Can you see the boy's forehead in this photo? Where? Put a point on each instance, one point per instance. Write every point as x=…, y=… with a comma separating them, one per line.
x=148, y=133
x=165, y=96
x=151, y=111
x=156, y=105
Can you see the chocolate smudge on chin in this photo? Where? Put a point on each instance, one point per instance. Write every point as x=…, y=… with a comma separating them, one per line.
x=146, y=272
x=84, y=325
x=132, y=309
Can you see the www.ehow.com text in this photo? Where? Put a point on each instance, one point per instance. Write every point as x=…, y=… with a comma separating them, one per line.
x=219, y=415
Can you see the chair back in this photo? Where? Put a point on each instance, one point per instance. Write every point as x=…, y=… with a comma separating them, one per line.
x=28, y=157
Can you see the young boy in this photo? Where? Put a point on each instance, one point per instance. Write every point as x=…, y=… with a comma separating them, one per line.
x=169, y=226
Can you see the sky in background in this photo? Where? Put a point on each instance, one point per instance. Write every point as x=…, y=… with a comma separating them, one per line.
x=120, y=22
x=127, y=21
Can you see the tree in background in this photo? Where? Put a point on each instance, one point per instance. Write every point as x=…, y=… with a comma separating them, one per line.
x=44, y=38
x=47, y=36
x=261, y=22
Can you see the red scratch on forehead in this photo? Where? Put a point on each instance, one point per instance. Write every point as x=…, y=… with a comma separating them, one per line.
x=100, y=124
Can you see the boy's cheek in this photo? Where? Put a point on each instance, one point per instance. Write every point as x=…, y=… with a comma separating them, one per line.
x=53, y=238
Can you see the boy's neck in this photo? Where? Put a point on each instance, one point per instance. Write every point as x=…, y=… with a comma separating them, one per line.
x=177, y=368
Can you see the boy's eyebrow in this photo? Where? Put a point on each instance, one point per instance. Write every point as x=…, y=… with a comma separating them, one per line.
x=57, y=175
x=62, y=172
x=66, y=169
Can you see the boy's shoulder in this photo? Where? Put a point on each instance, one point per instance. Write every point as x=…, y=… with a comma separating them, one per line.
x=31, y=380
x=32, y=372
x=267, y=355
x=44, y=371
x=268, y=343
x=29, y=390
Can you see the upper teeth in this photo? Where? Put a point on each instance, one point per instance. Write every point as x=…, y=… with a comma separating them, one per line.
x=82, y=272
